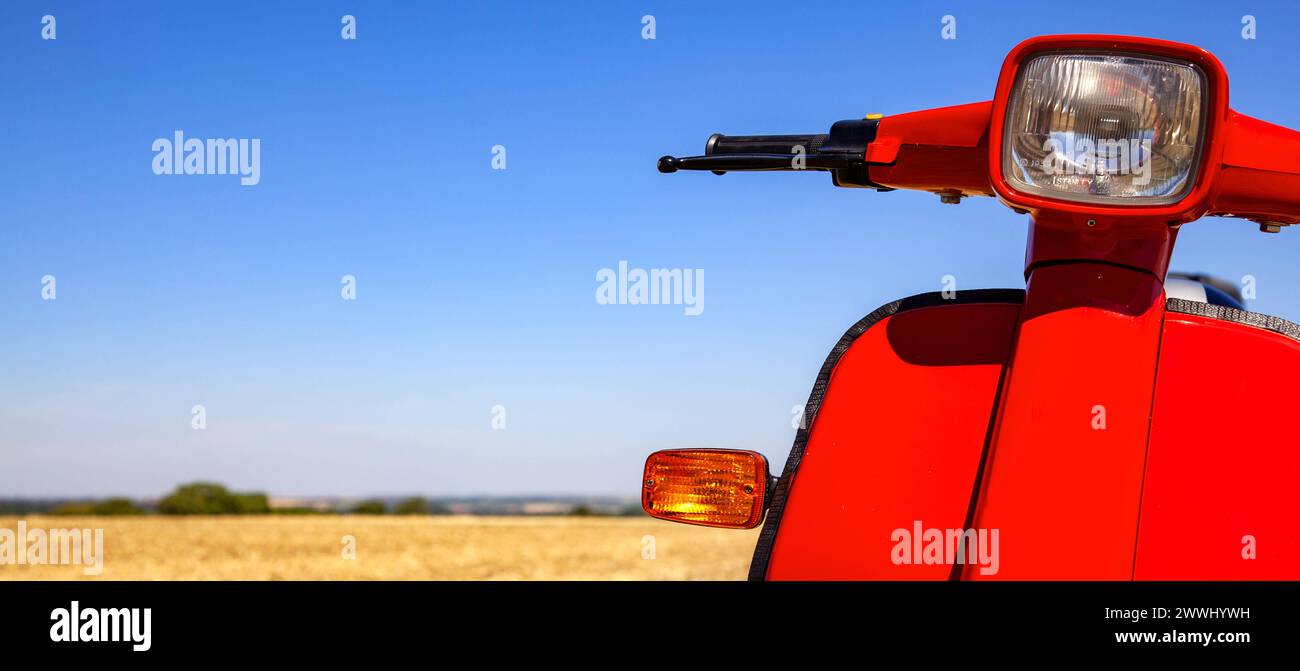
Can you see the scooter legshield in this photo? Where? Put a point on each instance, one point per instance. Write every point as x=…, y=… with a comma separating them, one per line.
x=907, y=436
x=1221, y=495
x=896, y=427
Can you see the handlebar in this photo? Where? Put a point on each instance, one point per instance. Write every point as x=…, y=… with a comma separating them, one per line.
x=842, y=151
x=943, y=151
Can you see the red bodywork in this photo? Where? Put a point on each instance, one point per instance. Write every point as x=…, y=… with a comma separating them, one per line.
x=1192, y=460
x=1222, y=460
x=898, y=437
x=1104, y=436
x=1103, y=432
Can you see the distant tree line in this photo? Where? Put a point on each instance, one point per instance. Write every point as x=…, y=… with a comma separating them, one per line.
x=415, y=505
x=210, y=498
x=113, y=506
x=196, y=498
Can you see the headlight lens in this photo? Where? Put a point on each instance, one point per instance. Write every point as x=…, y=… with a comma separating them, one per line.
x=1107, y=128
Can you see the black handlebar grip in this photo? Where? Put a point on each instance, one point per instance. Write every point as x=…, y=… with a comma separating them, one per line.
x=719, y=144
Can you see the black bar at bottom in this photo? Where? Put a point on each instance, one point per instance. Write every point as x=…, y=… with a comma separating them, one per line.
x=940, y=621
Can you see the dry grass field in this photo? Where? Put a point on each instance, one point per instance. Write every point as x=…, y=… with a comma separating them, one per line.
x=312, y=547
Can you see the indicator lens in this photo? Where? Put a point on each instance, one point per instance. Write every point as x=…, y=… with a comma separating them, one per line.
x=717, y=488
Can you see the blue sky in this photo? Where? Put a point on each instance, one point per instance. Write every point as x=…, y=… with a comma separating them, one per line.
x=475, y=287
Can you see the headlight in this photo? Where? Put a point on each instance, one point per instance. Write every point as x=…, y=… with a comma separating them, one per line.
x=1117, y=129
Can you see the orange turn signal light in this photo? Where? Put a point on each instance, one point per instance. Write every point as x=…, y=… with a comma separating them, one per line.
x=712, y=488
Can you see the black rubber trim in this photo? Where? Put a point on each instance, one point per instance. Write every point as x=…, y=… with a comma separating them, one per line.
x=1231, y=314
x=766, y=537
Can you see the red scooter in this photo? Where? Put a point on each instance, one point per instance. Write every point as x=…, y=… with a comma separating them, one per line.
x=1088, y=427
